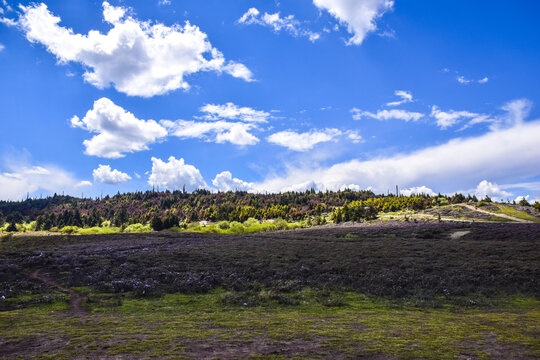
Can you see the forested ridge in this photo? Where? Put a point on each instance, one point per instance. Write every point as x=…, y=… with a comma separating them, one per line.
x=180, y=206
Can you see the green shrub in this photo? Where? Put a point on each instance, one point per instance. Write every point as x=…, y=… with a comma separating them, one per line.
x=236, y=227
x=280, y=224
x=97, y=230
x=106, y=223
x=251, y=222
x=69, y=229
x=223, y=225
x=137, y=228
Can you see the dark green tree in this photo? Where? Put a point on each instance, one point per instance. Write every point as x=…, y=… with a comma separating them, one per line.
x=121, y=217
x=156, y=223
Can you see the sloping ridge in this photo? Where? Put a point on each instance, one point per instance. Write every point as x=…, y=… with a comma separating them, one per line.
x=496, y=214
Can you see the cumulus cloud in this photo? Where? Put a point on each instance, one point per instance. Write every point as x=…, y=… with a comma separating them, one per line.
x=405, y=115
x=174, y=174
x=522, y=197
x=219, y=131
x=224, y=181
x=353, y=187
x=303, y=141
x=278, y=23
x=486, y=188
x=406, y=97
x=460, y=163
x=231, y=111
x=19, y=180
x=417, y=190
x=105, y=175
x=138, y=58
x=358, y=15
x=119, y=131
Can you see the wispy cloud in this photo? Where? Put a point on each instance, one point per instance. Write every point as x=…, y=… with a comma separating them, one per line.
x=303, y=141
x=277, y=23
x=406, y=97
x=397, y=114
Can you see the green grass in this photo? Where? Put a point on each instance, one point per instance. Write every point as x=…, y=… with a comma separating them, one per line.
x=182, y=325
x=509, y=210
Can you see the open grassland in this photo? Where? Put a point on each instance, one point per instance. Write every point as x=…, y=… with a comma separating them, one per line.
x=383, y=290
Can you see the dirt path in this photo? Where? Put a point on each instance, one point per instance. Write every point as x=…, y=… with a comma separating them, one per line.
x=458, y=234
x=76, y=299
x=470, y=207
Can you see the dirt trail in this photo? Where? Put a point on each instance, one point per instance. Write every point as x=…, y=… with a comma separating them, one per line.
x=459, y=234
x=76, y=299
x=470, y=207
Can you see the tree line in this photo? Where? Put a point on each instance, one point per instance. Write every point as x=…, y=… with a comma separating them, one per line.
x=166, y=209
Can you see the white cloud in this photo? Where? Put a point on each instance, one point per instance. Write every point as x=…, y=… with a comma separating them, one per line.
x=174, y=174
x=354, y=136
x=460, y=163
x=358, y=15
x=486, y=188
x=138, y=58
x=352, y=187
x=303, y=141
x=483, y=80
x=231, y=111
x=519, y=198
x=119, y=131
x=83, y=183
x=417, y=190
x=446, y=119
x=8, y=21
x=516, y=112
x=219, y=131
x=278, y=23
x=462, y=80
x=164, y=2
x=531, y=186
x=105, y=175
x=224, y=181
x=406, y=97
x=405, y=115
x=2, y=47
x=22, y=179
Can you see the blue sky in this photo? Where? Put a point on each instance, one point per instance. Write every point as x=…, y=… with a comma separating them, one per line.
x=433, y=96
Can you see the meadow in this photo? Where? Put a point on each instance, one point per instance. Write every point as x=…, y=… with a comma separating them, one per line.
x=383, y=290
